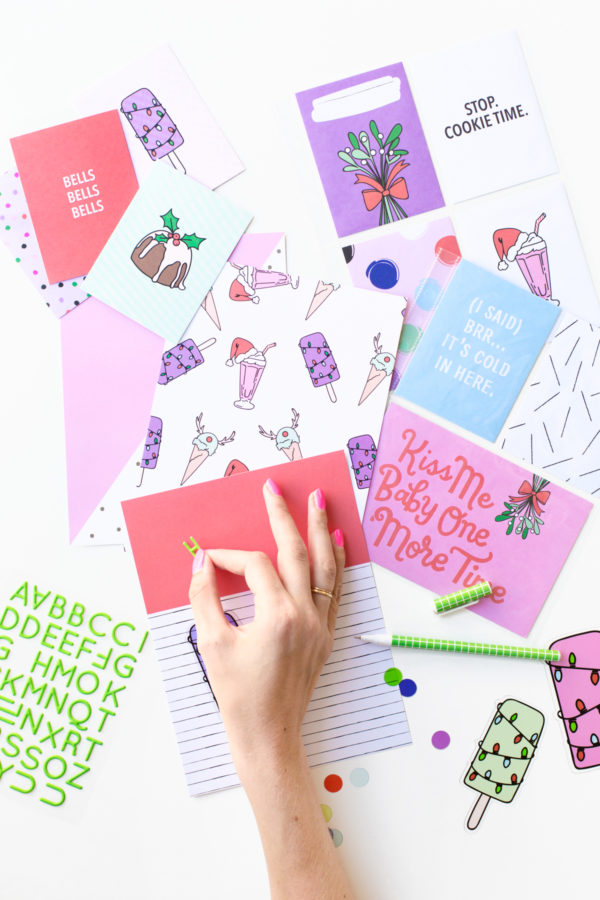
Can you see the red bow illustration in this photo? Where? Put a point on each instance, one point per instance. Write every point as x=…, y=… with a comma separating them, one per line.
x=527, y=492
x=377, y=192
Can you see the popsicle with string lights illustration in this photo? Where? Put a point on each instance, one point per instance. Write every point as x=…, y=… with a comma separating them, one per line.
x=576, y=680
x=504, y=755
x=320, y=362
x=156, y=131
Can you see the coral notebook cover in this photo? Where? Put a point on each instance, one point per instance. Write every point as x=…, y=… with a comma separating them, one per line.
x=353, y=710
x=78, y=179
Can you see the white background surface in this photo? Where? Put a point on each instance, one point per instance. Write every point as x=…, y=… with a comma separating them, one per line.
x=136, y=834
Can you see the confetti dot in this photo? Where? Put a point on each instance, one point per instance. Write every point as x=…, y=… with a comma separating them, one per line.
x=26, y=234
x=410, y=337
x=392, y=676
x=18, y=259
x=447, y=250
x=408, y=687
x=359, y=777
x=7, y=227
x=326, y=810
x=383, y=273
x=74, y=283
x=35, y=271
x=44, y=286
x=428, y=294
x=440, y=739
x=333, y=784
x=336, y=836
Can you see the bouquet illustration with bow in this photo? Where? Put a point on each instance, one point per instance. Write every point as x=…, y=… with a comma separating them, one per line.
x=525, y=509
x=378, y=166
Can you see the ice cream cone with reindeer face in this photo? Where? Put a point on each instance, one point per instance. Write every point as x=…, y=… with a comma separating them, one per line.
x=287, y=438
x=382, y=365
x=204, y=445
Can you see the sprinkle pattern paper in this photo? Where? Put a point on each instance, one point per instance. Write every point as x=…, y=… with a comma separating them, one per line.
x=166, y=252
x=78, y=179
x=446, y=513
x=478, y=349
x=556, y=422
x=353, y=709
x=165, y=119
x=370, y=149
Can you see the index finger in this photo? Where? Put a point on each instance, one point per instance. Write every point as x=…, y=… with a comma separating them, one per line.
x=257, y=570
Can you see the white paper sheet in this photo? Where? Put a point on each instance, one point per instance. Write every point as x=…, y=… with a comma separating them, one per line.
x=205, y=153
x=496, y=234
x=481, y=117
x=349, y=318
x=352, y=712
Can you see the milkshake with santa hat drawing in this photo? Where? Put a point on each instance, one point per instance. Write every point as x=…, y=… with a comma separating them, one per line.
x=252, y=364
x=530, y=252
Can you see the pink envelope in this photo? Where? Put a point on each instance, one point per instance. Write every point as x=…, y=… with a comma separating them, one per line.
x=110, y=370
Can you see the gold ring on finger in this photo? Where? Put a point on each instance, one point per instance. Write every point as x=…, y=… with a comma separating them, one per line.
x=318, y=590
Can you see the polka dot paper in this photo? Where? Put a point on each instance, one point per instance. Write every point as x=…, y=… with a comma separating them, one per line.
x=18, y=235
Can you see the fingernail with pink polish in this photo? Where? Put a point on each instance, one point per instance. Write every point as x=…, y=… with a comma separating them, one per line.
x=273, y=487
x=338, y=537
x=320, y=498
x=198, y=561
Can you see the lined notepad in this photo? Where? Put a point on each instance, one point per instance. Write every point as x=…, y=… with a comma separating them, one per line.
x=352, y=712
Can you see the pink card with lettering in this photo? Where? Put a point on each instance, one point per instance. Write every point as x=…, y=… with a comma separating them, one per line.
x=446, y=513
x=78, y=179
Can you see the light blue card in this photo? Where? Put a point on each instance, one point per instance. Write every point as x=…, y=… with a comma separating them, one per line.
x=477, y=351
x=166, y=252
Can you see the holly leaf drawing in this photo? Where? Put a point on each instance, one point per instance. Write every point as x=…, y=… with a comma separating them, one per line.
x=170, y=221
x=192, y=241
x=161, y=238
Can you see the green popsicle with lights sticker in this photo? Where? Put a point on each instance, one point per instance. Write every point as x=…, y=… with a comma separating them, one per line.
x=504, y=755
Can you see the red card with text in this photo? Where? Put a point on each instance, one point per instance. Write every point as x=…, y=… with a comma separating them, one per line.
x=230, y=513
x=78, y=179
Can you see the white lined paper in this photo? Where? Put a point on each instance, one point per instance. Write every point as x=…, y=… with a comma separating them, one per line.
x=352, y=711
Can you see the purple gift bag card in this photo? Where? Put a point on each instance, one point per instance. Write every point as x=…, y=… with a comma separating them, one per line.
x=370, y=149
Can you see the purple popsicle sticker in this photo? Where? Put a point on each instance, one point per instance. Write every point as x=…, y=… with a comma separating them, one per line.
x=155, y=129
x=320, y=362
x=152, y=445
x=181, y=359
x=362, y=452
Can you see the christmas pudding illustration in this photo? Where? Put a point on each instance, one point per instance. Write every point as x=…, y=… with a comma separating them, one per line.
x=165, y=256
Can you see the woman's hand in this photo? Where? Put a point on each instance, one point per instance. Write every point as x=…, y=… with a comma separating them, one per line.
x=263, y=673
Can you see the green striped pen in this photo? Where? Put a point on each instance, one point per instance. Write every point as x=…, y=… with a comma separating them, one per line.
x=422, y=643
x=465, y=597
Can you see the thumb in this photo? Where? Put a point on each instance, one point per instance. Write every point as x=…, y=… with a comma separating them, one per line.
x=204, y=597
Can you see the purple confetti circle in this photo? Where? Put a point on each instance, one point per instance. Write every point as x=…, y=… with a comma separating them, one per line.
x=440, y=739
